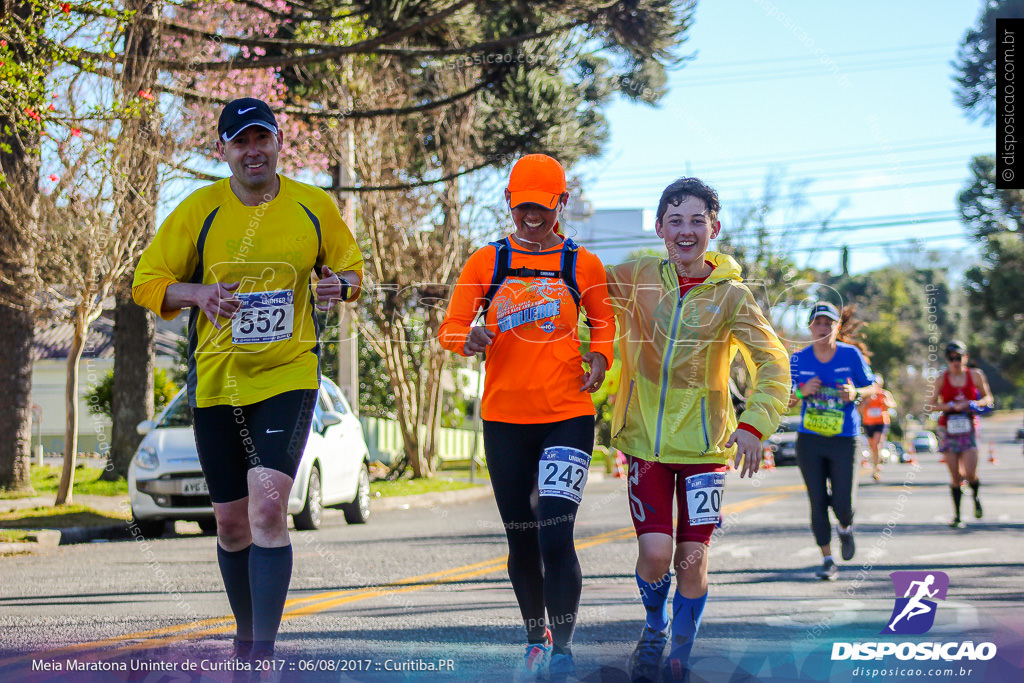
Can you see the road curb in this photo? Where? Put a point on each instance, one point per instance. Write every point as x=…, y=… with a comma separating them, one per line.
x=51, y=538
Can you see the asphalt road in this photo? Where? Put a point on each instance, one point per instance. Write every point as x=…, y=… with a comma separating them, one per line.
x=423, y=588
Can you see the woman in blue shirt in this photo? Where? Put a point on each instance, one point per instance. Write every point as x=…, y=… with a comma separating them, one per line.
x=829, y=377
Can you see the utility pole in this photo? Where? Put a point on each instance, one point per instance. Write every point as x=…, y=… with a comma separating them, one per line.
x=348, y=333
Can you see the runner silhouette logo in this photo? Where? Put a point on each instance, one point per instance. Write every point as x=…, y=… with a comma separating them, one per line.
x=916, y=593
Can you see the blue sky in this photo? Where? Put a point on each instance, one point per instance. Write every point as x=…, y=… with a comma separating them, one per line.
x=856, y=99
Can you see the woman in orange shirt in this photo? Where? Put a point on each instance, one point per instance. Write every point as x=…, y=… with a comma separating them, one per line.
x=874, y=413
x=538, y=417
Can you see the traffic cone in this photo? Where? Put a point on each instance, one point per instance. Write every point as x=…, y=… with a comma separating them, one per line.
x=992, y=454
x=912, y=453
x=768, y=459
x=620, y=465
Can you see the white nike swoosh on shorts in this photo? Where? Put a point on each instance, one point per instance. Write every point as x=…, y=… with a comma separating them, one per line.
x=274, y=431
x=242, y=111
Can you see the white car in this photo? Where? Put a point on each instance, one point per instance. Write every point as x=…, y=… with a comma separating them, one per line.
x=925, y=442
x=165, y=481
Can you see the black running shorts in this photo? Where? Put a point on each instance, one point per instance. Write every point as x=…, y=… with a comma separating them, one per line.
x=235, y=439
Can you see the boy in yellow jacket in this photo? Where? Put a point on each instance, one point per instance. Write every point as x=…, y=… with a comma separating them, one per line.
x=682, y=320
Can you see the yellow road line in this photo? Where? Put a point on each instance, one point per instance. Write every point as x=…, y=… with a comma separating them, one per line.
x=321, y=602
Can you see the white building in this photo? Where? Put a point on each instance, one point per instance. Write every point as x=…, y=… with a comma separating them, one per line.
x=612, y=234
x=49, y=373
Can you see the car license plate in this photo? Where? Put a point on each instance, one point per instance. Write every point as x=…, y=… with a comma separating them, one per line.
x=194, y=487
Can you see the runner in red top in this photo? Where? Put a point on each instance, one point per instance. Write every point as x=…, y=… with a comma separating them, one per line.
x=961, y=394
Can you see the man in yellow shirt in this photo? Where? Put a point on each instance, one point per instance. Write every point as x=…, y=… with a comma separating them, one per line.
x=239, y=253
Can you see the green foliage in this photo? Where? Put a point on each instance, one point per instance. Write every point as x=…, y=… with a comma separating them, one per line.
x=408, y=487
x=28, y=55
x=984, y=208
x=976, y=60
x=376, y=399
x=604, y=402
x=910, y=314
x=993, y=216
x=997, y=322
x=100, y=396
x=45, y=478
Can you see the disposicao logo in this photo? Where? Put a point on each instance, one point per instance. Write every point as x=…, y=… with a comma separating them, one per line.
x=914, y=614
x=916, y=593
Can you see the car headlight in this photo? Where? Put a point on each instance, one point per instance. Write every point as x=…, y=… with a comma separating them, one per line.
x=146, y=458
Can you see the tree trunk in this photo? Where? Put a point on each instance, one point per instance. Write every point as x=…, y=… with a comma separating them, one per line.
x=15, y=394
x=67, y=475
x=19, y=160
x=132, y=398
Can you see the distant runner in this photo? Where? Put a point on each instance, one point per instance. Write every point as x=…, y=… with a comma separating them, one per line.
x=874, y=414
x=538, y=417
x=960, y=394
x=829, y=377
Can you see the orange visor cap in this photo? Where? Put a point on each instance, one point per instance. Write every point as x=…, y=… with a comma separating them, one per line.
x=536, y=179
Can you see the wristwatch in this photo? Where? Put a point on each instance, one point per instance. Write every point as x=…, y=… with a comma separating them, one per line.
x=346, y=289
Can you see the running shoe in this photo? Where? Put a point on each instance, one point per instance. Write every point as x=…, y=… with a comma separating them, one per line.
x=675, y=670
x=847, y=546
x=978, y=512
x=645, y=662
x=956, y=524
x=537, y=655
x=828, y=570
x=561, y=669
x=242, y=649
x=876, y=475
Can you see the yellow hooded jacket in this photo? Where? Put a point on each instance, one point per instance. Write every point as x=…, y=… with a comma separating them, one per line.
x=673, y=403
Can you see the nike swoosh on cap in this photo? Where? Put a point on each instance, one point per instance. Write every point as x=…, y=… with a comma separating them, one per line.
x=243, y=111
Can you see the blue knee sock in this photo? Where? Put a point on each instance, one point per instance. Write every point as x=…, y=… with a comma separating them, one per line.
x=655, y=598
x=685, y=624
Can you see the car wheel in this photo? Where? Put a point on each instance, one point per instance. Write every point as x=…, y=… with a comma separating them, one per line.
x=208, y=526
x=312, y=514
x=150, y=528
x=358, y=511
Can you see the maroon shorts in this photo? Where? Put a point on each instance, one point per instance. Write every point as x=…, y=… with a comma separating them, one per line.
x=651, y=487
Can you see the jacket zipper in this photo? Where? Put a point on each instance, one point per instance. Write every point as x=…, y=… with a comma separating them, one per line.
x=704, y=425
x=664, y=371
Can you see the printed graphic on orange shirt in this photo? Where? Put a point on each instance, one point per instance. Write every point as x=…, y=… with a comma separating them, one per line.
x=536, y=300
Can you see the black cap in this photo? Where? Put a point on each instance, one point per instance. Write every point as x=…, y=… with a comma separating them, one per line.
x=242, y=113
x=823, y=308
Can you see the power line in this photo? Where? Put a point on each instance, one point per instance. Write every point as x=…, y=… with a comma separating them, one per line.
x=868, y=223
x=726, y=185
x=839, y=154
x=888, y=243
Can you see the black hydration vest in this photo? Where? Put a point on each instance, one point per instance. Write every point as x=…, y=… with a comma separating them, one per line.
x=503, y=269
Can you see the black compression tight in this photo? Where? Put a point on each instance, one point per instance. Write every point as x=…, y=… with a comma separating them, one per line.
x=829, y=468
x=542, y=562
